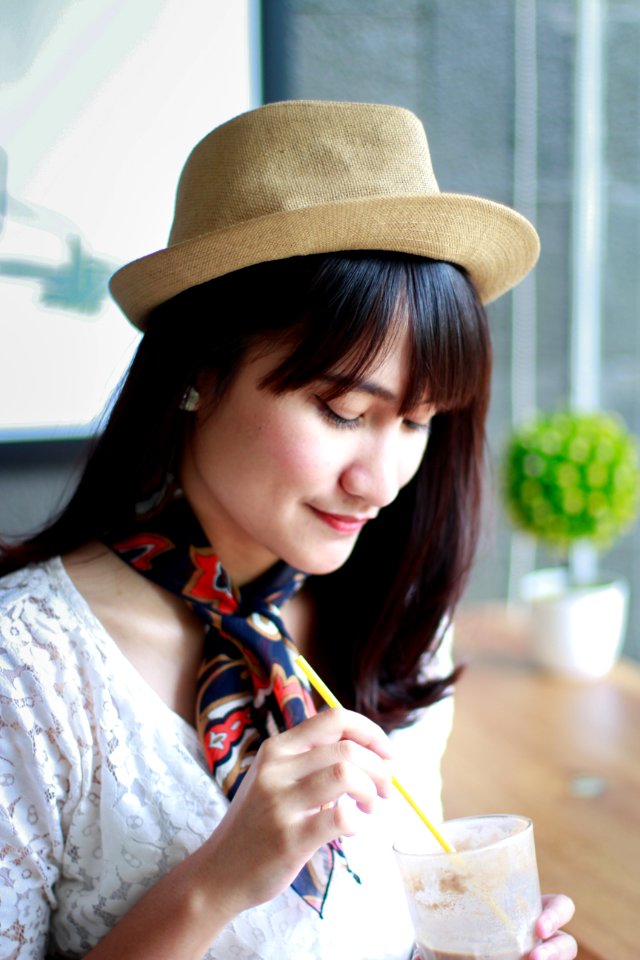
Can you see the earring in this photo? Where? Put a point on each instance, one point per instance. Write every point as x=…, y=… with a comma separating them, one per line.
x=191, y=400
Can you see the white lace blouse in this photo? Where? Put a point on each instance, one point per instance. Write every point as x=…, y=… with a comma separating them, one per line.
x=103, y=789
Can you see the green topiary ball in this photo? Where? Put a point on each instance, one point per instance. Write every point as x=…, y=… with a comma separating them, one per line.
x=573, y=476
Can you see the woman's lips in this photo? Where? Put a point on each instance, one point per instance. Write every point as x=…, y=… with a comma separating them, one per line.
x=340, y=522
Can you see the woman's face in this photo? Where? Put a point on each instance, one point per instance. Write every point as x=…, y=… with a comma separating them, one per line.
x=294, y=476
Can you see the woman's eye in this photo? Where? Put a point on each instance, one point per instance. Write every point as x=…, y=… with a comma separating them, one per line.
x=330, y=414
x=417, y=426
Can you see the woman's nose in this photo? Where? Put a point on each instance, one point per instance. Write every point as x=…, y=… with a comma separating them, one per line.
x=374, y=475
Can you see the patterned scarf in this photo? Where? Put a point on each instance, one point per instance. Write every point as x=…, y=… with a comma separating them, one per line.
x=247, y=686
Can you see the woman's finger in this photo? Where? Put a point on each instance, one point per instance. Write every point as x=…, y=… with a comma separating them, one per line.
x=561, y=946
x=330, y=726
x=557, y=910
x=331, y=782
x=295, y=768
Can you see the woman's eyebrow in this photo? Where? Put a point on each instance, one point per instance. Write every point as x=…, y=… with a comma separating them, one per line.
x=364, y=386
x=346, y=384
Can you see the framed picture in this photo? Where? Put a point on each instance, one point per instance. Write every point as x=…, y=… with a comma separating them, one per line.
x=101, y=103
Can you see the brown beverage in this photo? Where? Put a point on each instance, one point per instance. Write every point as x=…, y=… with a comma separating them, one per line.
x=428, y=953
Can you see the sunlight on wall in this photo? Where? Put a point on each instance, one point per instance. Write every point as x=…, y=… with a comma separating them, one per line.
x=95, y=124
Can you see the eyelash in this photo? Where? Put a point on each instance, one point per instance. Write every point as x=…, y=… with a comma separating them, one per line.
x=418, y=427
x=335, y=418
x=345, y=423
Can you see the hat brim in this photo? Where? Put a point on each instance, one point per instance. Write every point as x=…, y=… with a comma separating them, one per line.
x=494, y=243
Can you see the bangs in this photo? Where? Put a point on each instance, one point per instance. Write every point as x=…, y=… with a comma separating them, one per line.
x=357, y=304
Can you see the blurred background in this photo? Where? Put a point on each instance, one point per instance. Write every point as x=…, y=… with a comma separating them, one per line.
x=535, y=103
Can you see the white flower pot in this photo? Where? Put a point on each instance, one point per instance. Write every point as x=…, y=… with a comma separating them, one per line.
x=576, y=631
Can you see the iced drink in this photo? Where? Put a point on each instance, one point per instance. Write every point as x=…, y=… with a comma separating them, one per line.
x=481, y=902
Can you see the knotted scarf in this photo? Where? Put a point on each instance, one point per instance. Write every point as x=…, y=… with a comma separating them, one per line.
x=247, y=687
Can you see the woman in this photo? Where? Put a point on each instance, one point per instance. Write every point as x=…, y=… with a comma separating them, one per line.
x=261, y=488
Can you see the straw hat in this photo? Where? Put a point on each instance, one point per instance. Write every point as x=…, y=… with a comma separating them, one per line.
x=303, y=177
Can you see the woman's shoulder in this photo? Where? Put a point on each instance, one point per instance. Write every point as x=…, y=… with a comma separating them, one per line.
x=32, y=596
x=43, y=718
x=34, y=577
x=36, y=602
x=45, y=633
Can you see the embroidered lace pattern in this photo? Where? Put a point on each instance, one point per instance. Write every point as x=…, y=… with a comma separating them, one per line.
x=96, y=803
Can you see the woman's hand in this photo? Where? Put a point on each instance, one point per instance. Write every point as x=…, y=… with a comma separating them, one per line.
x=285, y=808
x=287, y=805
x=557, y=911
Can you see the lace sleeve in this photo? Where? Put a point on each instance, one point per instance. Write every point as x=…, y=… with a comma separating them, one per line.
x=34, y=784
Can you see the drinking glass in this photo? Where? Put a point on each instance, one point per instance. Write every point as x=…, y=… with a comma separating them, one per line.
x=481, y=902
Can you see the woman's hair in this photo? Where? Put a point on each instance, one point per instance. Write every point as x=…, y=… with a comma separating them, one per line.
x=388, y=604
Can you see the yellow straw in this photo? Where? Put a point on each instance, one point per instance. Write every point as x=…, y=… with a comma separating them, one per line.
x=323, y=690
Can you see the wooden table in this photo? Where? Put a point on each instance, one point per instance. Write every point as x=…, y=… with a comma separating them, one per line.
x=564, y=753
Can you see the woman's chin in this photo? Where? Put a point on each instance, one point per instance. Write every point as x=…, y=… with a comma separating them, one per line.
x=320, y=563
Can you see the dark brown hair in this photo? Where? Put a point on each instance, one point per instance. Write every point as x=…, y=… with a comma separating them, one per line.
x=385, y=609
